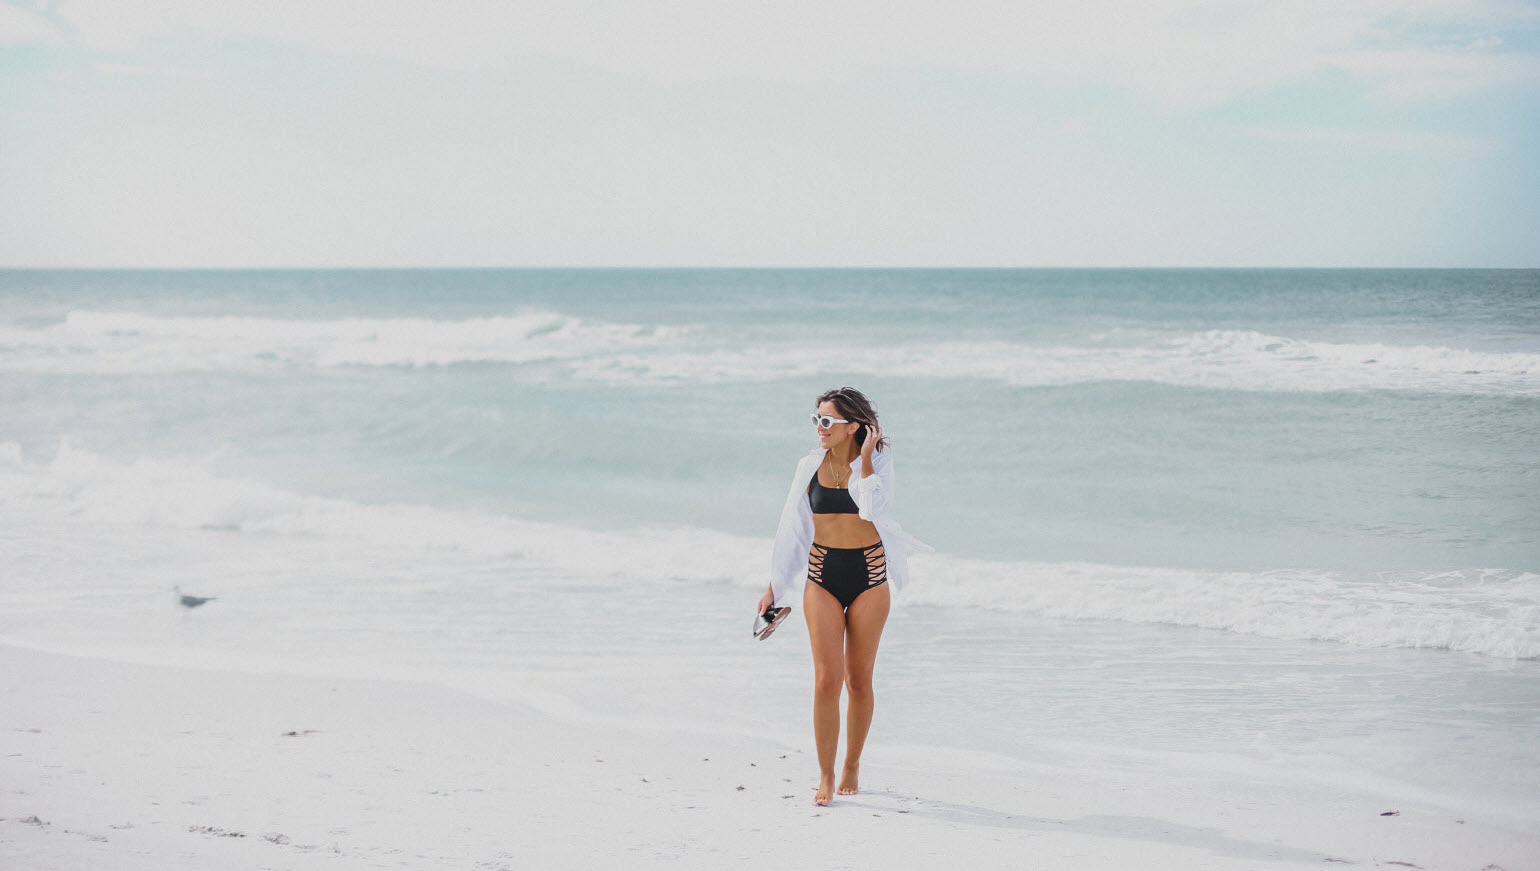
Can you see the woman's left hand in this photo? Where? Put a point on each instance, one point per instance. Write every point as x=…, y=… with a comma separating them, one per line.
x=869, y=444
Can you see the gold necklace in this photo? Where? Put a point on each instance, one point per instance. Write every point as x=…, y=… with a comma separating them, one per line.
x=838, y=481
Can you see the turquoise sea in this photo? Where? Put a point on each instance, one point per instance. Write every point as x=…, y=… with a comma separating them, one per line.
x=1293, y=514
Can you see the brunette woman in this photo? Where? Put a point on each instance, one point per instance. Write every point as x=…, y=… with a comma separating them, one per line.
x=836, y=531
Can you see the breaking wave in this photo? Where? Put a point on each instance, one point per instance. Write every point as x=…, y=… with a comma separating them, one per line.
x=76, y=494
x=109, y=343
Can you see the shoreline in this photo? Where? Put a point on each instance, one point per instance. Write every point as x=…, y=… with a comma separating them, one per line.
x=111, y=764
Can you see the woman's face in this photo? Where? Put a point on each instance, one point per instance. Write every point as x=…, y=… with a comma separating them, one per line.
x=839, y=432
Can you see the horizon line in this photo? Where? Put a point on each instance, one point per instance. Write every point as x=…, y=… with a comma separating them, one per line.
x=704, y=268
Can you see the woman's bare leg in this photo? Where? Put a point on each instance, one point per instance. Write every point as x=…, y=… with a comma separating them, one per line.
x=863, y=630
x=826, y=629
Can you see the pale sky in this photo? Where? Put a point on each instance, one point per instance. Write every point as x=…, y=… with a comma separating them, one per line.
x=193, y=133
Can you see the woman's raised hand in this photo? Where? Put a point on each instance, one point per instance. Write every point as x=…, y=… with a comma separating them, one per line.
x=869, y=444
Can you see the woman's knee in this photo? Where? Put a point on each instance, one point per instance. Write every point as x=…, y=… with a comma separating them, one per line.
x=827, y=683
x=858, y=685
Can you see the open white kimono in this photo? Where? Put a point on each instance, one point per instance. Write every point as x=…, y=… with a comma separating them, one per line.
x=794, y=536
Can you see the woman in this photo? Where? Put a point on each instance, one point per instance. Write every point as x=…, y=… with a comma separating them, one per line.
x=835, y=531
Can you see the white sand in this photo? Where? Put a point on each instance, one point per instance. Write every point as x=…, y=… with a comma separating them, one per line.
x=105, y=765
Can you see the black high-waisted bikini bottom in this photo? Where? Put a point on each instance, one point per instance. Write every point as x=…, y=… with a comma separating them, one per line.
x=847, y=572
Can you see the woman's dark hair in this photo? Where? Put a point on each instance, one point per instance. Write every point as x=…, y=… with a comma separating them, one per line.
x=856, y=408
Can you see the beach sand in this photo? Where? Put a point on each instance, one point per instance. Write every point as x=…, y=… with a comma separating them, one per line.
x=105, y=764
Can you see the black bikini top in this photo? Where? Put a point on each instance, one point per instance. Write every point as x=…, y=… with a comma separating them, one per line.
x=829, y=500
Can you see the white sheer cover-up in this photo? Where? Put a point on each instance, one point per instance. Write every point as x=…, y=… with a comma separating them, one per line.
x=874, y=500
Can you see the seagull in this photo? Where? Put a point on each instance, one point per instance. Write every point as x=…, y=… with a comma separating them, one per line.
x=187, y=601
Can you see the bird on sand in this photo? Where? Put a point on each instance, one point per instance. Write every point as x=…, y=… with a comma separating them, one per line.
x=187, y=601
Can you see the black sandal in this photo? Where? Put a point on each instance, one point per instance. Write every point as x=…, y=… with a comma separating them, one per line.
x=765, y=623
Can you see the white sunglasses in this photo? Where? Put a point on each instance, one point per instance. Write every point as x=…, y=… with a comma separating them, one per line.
x=824, y=421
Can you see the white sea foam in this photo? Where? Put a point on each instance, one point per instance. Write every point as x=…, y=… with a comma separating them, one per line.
x=83, y=489
x=98, y=342
x=1488, y=611
x=77, y=494
x=103, y=342
x=1223, y=359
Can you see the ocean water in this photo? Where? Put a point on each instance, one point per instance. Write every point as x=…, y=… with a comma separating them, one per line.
x=1286, y=518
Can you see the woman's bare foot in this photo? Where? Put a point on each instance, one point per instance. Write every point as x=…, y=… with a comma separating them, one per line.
x=848, y=779
x=824, y=794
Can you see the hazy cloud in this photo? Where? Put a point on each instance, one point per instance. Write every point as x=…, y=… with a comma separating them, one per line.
x=1186, y=53
x=468, y=132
